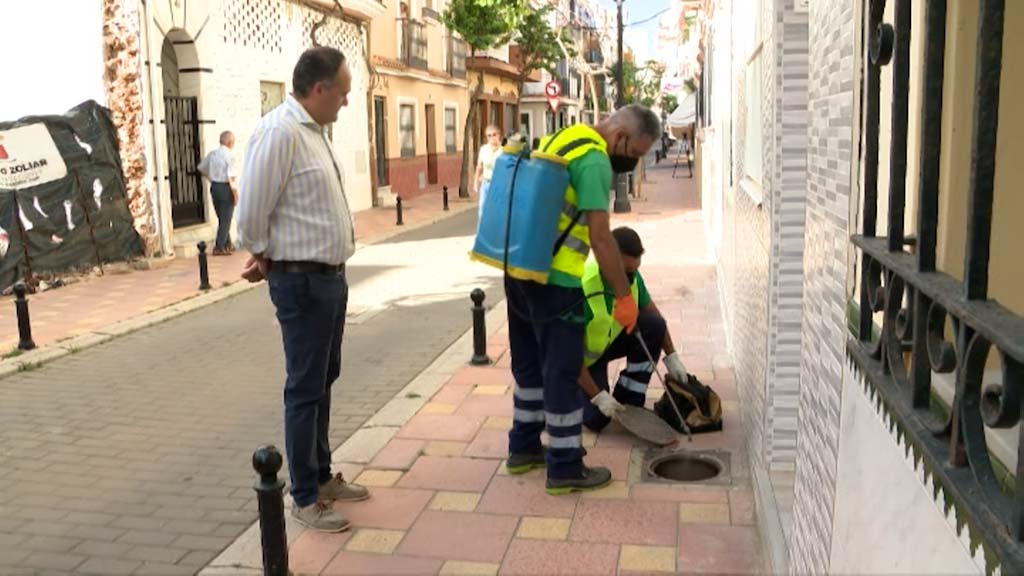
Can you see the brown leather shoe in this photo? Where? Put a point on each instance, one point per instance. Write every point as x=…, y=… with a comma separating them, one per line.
x=336, y=489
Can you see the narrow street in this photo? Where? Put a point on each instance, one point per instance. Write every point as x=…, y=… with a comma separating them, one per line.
x=134, y=456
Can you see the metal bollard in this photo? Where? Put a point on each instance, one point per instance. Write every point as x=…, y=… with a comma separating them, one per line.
x=444, y=191
x=479, y=329
x=204, y=268
x=398, y=211
x=25, y=341
x=270, y=496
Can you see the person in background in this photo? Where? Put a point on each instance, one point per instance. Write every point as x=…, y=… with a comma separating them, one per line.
x=489, y=152
x=219, y=168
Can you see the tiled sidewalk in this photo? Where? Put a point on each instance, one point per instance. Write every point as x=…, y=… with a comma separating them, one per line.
x=94, y=303
x=443, y=502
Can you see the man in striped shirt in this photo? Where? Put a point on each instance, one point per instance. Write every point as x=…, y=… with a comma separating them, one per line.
x=293, y=218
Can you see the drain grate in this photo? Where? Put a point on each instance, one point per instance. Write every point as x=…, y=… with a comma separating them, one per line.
x=687, y=467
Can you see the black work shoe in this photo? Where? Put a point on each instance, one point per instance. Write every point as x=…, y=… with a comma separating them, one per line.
x=589, y=479
x=523, y=463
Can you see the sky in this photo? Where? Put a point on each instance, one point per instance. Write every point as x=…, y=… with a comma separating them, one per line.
x=640, y=37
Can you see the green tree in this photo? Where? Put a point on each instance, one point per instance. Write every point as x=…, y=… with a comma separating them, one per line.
x=482, y=24
x=642, y=85
x=540, y=46
x=669, y=102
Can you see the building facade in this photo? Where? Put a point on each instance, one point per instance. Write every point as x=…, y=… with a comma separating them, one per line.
x=215, y=65
x=420, y=100
x=856, y=184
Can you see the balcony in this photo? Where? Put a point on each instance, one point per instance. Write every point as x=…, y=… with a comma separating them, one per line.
x=456, y=65
x=594, y=56
x=414, y=44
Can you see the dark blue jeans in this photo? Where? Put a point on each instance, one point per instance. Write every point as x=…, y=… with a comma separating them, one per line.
x=311, y=311
x=224, y=207
x=547, y=356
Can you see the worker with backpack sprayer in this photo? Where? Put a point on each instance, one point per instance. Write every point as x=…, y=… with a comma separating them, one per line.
x=545, y=210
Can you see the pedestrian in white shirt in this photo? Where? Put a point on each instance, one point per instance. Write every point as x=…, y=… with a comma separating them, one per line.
x=219, y=169
x=294, y=220
x=489, y=152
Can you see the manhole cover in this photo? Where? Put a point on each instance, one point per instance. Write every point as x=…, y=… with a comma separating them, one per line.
x=646, y=425
x=687, y=466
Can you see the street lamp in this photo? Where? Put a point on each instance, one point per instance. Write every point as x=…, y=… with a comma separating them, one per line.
x=621, y=205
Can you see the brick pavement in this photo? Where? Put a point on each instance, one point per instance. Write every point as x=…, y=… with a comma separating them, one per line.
x=96, y=302
x=444, y=504
x=134, y=456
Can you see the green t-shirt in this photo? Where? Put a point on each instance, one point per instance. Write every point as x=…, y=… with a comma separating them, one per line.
x=591, y=177
x=643, y=297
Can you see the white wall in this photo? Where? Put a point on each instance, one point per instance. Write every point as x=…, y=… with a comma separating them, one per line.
x=886, y=521
x=40, y=74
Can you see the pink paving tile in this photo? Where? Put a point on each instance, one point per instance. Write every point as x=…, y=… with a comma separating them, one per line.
x=664, y=493
x=485, y=405
x=459, y=536
x=452, y=393
x=482, y=376
x=455, y=474
x=548, y=557
x=362, y=564
x=488, y=444
x=312, y=550
x=625, y=522
x=707, y=549
x=387, y=508
x=741, y=508
x=614, y=459
x=460, y=428
x=525, y=496
x=399, y=454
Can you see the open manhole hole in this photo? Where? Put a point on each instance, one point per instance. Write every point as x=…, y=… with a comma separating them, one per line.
x=686, y=466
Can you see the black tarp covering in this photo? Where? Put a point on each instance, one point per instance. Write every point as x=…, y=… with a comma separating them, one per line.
x=100, y=227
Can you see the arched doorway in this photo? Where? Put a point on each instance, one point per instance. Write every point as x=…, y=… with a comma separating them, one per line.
x=181, y=120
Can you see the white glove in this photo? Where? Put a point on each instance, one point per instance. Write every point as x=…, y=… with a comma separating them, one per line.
x=675, y=367
x=606, y=404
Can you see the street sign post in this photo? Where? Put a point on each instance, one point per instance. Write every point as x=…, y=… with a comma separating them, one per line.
x=553, y=91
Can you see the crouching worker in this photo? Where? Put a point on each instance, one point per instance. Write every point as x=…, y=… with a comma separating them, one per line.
x=606, y=340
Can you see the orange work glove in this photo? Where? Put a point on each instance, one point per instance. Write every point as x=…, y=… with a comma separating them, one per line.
x=626, y=312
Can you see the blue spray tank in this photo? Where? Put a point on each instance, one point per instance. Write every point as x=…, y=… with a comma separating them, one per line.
x=519, y=224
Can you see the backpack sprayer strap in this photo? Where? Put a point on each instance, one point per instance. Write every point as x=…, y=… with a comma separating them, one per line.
x=579, y=213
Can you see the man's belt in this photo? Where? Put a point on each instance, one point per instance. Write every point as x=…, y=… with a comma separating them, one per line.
x=305, y=267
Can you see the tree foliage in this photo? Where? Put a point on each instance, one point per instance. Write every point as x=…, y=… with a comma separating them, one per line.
x=642, y=85
x=669, y=102
x=538, y=42
x=482, y=24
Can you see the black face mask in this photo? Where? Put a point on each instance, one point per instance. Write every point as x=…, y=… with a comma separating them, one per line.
x=622, y=164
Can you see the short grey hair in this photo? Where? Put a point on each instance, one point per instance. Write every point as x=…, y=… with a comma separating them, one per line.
x=638, y=121
x=226, y=136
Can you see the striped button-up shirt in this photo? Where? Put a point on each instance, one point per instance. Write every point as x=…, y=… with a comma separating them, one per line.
x=218, y=166
x=292, y=203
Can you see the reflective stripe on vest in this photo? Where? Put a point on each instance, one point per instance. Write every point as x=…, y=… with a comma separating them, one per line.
x=573, y=253
x=602, y=329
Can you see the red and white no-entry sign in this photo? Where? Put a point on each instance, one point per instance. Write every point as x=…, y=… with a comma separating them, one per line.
x=552, y=90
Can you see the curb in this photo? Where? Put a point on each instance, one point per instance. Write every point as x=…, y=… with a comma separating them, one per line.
x=245, y=554
x=33, y=359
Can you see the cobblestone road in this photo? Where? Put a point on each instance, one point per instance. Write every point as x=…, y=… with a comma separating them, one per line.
x=134, y=457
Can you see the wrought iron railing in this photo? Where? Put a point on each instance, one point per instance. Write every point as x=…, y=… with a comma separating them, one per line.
x=916, y=301
x=414, y=44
